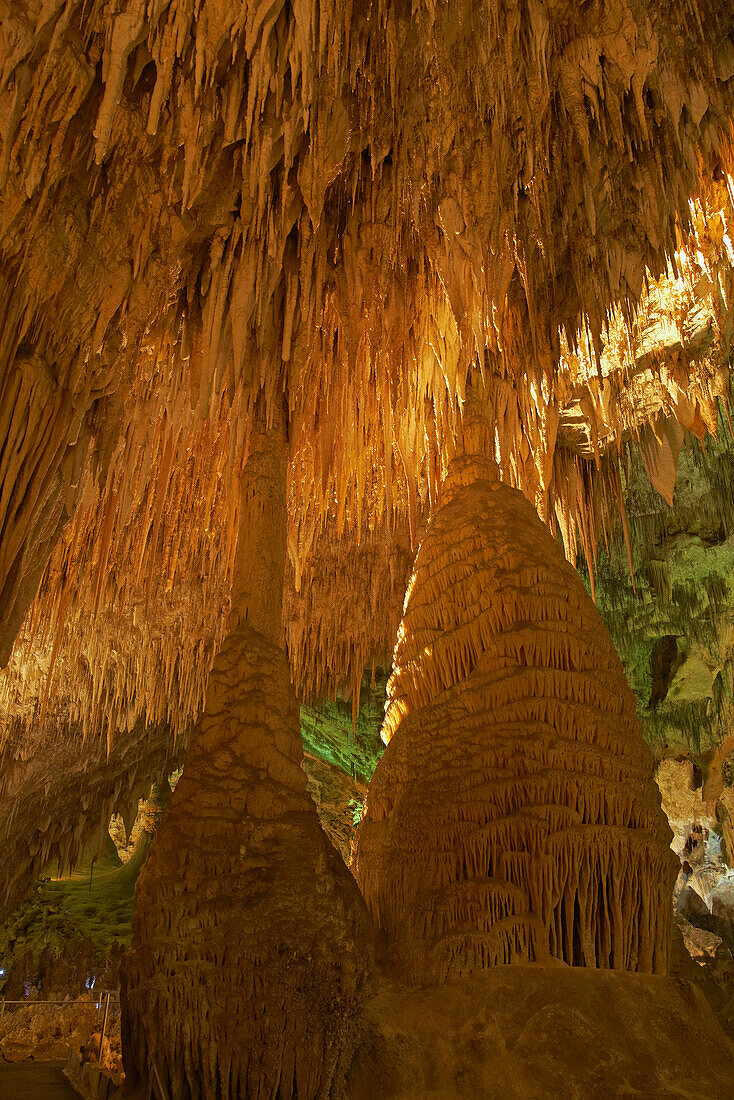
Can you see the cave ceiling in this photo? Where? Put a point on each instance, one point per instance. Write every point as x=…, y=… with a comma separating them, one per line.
x=361, y=210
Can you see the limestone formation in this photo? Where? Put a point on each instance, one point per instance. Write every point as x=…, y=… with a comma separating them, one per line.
x=365, y=211
x=58, y=799
x=251, y=943
x=513, y=815
x=538, y=1033
x=378, y=201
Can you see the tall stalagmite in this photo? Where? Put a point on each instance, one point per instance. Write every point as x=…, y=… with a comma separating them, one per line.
x=514, y=814
x=250, y=942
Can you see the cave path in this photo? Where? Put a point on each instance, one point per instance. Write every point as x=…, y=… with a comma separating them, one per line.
x=33, y=1080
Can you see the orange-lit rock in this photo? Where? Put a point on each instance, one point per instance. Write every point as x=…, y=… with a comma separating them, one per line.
x=536, y=1032
x=514, y=815
x=360, y=211
x=192, y=207
x=251, y=943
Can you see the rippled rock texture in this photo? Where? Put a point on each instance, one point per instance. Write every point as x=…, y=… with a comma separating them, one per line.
x=514, y=815
x=250, y=939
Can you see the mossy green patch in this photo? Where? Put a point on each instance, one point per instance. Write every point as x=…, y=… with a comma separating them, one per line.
x=327, y=732
x=89, y=910
x=683, y=593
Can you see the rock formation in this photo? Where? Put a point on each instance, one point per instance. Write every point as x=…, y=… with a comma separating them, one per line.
x=367, y=209
x=377, y=202
x=57, y=799
x=539, y=1033
x=250, y=940
x=513, y=815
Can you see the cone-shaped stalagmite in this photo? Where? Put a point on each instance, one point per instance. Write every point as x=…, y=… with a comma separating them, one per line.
x=513, y=815
x=250, y=941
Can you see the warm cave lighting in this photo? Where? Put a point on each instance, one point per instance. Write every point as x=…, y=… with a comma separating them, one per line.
x=367, y=548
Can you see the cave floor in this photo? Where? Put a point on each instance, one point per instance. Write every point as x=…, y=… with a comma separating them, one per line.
x=33, y=1080
x=533, y=1032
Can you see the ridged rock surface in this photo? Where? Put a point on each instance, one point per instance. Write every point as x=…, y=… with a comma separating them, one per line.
x=250, y=940
x=513, y=814
x=358, y=205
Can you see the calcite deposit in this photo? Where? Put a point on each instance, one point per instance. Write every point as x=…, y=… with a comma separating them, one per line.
x=254, y=256
x=514, y=814
x=543, y=1032
x=359, y=207
x=242, y=895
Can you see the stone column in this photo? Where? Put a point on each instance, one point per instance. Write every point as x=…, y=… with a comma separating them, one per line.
x=250, y=940
x=513, y=816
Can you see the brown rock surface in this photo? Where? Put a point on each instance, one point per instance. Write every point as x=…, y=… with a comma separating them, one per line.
x=338, y=799
x=250, y=941
x=699, y=942
x=537, y=1033
x=47, y=1032
x=514, y=813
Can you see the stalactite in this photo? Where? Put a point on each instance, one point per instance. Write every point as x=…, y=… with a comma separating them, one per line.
x=380, y=280
x=53, y=802
x=513, y=815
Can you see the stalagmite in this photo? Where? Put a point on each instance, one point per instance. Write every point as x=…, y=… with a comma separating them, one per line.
x=250, y=943
x=514, y=815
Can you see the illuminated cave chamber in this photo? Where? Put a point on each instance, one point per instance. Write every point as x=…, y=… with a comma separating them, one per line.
x=250, y=939
x=513, y=815
x=357, y=209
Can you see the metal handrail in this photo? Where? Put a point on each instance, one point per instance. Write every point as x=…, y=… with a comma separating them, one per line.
x=74, y=1001
x=104, y=998
x=162, y=1091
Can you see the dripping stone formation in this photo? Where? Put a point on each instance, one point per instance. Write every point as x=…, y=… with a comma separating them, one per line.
x=515, y=804
x=326, y=333
x=267, y=905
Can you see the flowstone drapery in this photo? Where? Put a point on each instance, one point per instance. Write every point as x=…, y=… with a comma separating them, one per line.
x=513, y=815
x=250, y=943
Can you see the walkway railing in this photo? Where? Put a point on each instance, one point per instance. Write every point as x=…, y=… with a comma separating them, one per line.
x=110, y=1002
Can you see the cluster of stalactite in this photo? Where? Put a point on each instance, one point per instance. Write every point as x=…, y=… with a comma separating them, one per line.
x=208, y=209
x=131, y=606
x=367, y=203
x=513, y=815
x=348, y=606
x=58, y=792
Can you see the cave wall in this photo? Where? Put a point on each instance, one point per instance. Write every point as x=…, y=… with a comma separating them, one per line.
x=669, y=609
